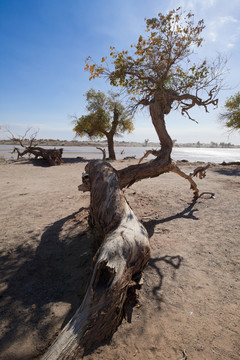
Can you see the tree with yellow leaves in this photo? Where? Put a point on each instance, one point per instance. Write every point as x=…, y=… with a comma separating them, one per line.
x=158, y=72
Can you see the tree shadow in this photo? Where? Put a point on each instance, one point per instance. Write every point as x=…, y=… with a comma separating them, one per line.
x=28, y=161
x=75, y=160
x=174, y=261
x=38, y=283
x=187, y=213
x=43, y=163
x=229, y=171
x=46, y=286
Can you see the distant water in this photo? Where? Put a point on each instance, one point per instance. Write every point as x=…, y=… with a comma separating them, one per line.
x=214, y=155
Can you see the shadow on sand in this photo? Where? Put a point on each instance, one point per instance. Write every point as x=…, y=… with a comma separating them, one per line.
x=155, y=264
x=43, y=163
x=43, y=288
x=229, y=171
x=187, y=213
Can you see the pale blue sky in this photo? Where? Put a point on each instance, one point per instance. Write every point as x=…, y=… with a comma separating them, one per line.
x=44, y=44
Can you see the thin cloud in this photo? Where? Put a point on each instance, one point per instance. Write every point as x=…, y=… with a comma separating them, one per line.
x=227, y=19
x=194, y=5
x=223, y=30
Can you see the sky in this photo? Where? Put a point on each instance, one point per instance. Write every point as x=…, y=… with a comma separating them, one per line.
x=44, y=44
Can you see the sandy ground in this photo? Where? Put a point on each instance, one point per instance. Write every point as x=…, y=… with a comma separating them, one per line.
x=189, y=302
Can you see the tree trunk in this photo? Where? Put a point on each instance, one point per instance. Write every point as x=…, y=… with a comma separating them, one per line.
x=162, y=163
x=117, y=271
x=157, y=112
x=111, y=151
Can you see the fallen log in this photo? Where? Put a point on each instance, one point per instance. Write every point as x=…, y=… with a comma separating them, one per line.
x=119, y=263
x=52, y=156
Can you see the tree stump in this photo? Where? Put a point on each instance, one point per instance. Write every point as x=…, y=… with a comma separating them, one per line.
x=119, y=263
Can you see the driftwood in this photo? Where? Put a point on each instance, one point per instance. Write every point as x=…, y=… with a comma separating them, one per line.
x=200, y=171
x=52, y=156
x=29, y=146
x=118, y=266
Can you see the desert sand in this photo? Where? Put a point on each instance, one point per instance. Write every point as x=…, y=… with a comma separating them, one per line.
x=189, y=304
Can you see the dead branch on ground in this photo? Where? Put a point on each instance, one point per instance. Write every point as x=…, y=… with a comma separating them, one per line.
x=200, y=171
x=52, y=156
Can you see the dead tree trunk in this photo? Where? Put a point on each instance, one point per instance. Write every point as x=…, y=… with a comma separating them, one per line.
x=162, y=163
x=52, y=156
x=119, y=263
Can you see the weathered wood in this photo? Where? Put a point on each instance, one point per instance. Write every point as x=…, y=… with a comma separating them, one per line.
x=147, y=153
x=200, y=171
x=52, y=156
x=193, y=185
x=133, y=173
x=119, y=263
x=153, y=168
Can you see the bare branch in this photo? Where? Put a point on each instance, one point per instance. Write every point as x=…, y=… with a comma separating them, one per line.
x=20, y=139
x=147, y=153
x=195, y=100
x=200, y=171
x=103, y=152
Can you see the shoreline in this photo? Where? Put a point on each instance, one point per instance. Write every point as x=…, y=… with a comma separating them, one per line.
x=53, y=142
x=211, y=155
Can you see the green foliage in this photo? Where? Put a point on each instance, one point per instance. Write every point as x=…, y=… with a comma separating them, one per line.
x=107, y=116
x=92, y=125
x=231, y=117
x=160, y=62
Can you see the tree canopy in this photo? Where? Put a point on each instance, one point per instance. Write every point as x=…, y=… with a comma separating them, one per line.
x=160, y=64
x=162, y=73
x=106, y=117
x=231, y=116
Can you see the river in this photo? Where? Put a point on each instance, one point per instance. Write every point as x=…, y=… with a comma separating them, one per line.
x=214, y=155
